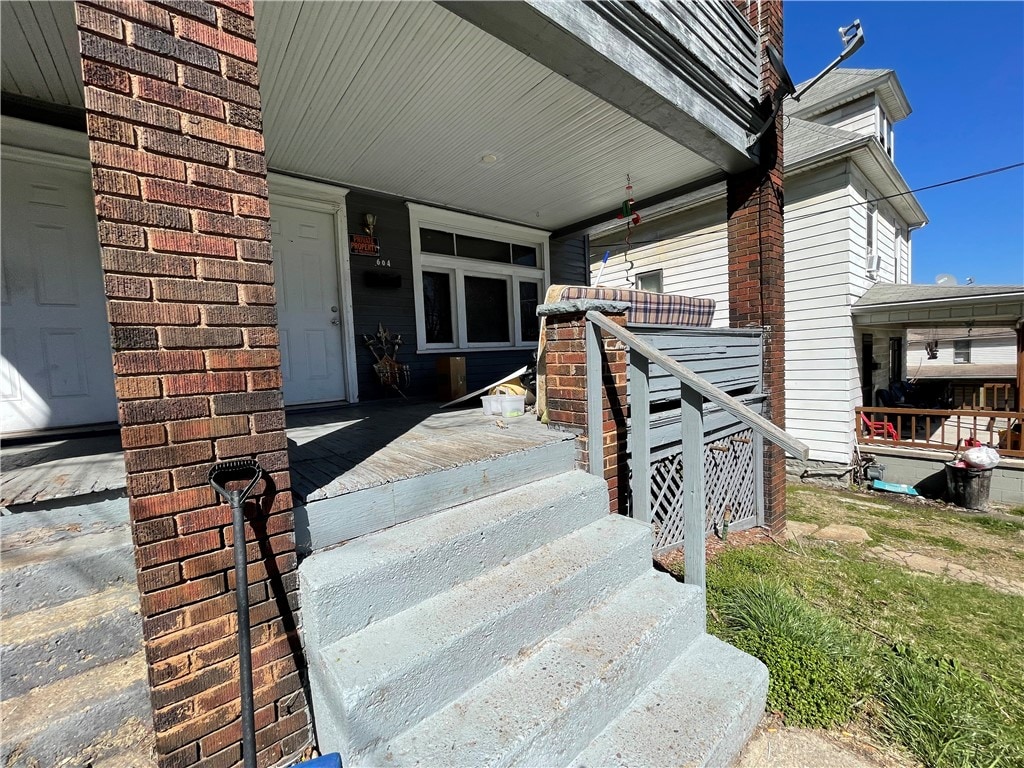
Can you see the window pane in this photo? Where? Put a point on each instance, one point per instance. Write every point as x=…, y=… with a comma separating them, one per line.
x=649, y=281
x=529, y=323
x=524, y=255
x=434, y=241
x=486, y=310
x=437, y=307
x=482, y=250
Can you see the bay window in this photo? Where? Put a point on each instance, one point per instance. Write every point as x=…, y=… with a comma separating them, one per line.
x=477, y=282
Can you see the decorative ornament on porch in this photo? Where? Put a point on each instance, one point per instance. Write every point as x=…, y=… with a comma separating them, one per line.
x=384, y=347
x=632, y=218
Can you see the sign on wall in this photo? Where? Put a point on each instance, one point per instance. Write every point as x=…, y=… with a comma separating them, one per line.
x=363, y=245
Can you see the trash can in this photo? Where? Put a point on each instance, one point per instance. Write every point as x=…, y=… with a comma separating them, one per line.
x=968, y=487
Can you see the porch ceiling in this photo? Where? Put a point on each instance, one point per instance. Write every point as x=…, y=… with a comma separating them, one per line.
x=407, y=98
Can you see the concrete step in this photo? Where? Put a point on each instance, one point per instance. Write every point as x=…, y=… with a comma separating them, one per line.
x=549, y=703
x=52, y=724
x=397, y=671
x=700, y=712
x=49, y=644
x=369, y=579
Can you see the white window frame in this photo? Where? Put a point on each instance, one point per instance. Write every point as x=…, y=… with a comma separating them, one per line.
x=962, y=350
x=423, y=216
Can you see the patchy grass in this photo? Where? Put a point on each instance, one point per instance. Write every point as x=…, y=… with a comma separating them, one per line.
x=938, y=665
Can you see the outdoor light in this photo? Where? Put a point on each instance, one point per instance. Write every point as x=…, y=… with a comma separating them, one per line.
x=369, y=221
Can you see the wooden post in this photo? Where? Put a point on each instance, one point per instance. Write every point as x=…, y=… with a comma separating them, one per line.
x=640, y=415
x=692, y=451
x=1019, y=405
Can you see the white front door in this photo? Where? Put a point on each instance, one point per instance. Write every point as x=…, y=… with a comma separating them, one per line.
x=308, y=303
x=55, y=362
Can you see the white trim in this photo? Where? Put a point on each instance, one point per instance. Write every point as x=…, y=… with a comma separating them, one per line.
x=326, y=198
x=42, y=157
x=69, y=149
x=459, y=268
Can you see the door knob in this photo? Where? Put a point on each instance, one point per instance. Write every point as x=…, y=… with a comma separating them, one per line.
x=335, y=321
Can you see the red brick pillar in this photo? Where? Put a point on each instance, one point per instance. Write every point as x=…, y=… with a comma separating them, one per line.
x=174, y=123
x=756, y=265
x=565, y=383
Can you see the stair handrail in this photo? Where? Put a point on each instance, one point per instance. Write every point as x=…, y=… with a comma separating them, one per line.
x=693, y=388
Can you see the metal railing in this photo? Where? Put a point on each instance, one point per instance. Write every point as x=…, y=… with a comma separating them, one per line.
x=692, y=390
x=941, y=429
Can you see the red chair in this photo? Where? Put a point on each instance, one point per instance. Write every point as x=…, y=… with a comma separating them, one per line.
x=883, y=429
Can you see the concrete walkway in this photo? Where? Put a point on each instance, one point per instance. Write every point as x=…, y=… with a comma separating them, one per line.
x=773, y=746
x=938, y=567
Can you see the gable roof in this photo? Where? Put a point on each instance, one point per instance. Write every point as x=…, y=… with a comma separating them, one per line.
x=844, y=85
x=803, y=140
x=888, y=293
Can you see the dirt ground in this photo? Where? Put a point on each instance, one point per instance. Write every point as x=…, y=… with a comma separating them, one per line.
x=775, y=746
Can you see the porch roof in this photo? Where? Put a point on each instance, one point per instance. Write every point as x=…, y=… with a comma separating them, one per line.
x=413, y=100
x=927, y=306
x=962, y=371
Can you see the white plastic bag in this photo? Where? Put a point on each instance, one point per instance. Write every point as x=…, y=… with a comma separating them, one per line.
x=981, y=458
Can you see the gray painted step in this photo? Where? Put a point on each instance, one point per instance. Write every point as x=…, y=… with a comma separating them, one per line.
x=51, y=724
x=549, y=703
x=346, y=588
x=391, y=675
x=325, y=523
x=716, y=695
x=53, y=643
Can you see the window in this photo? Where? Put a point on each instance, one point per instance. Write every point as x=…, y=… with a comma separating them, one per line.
x=872, y=262
x=962, y=351
x=649, y=281
x=885, y=134
x=477, y=282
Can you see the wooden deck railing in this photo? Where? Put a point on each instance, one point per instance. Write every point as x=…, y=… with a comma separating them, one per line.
x=944, y=429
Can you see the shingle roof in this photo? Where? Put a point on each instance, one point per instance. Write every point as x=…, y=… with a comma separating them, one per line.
x=846, y=84
x=836, y=82
x=803, y=139
x=965, y=371
x=887, y=293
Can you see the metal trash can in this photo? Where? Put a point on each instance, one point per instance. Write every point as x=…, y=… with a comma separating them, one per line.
x=968, y=487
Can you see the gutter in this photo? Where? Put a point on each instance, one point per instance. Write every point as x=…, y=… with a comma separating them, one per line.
x=974, y=298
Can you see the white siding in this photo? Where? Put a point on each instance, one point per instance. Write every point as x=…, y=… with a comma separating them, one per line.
x=691, y=249
x=893, y=257
x=989, y=350
x=820, y=345
x=859, y=116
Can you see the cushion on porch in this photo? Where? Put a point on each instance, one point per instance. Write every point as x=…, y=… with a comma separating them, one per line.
x=646, y=308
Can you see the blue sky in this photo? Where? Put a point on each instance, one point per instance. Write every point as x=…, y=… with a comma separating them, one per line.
x=962, y=67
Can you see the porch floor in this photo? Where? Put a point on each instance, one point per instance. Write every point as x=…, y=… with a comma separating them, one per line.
x=333, y=451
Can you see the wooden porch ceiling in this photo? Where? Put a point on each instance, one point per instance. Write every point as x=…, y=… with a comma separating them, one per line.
x=407, y=98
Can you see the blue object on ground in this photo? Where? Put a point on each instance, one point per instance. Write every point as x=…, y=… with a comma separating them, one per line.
x=906, y=490
x=332, y=760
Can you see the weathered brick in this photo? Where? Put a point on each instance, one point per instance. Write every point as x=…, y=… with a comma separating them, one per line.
x=128, y=363
x=175, y=193
x=183, y=594
x=205, y=429
x=245, y=205
x=241, y=6
x=190, y=29
x=235, y=271
x=242, y=359
x=121, y=235
x=248, y=162
x=177, y=549
x=127, y=287
x=200, y=338
x=258, y=294
x=216, y=223
x=145, y=436
x=238, y=24
x=245, y=117
x=109, y=129
x=249, y=250
x=121, y=55
x=193, y=291
x=159, y=578
x=260, y=380
x=137, y=10
x=148, y=482
x=174, y=47
x=194, y=8
x=123, y=158
x=246, y=402
x=229, y=180
x=164, y=504
x=180, y=690
x=152, y=411
x=217, y=743
x=105, y=180
x=148, y=313
x=268, y=421
x=215, y=85
x=188, y=242
x=138, y=212
x=184, y=147
x=137, y=387
x=236, y=69
x=172, y=635
x=106, y=77
x=203, y=383
x=223, y=133
x=165, y=719
x=236, y=316
x=274, y=462
x=149, y=531
x=262, y=337
x=173, y=95
x=231, y=447
x=146, y=263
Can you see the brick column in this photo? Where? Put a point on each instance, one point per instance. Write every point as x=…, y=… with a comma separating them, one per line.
x=756, y=264
x=565, y=384
x=174, y=123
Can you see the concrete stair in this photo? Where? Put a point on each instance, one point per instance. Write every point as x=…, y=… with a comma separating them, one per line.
x=75, y=689
x=526, y=628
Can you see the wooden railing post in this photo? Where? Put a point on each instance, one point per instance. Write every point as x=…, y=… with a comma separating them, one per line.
x=692, y=451
x=640, y=417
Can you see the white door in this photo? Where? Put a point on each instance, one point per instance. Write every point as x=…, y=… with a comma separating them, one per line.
x=308, y=304
x=55, y=361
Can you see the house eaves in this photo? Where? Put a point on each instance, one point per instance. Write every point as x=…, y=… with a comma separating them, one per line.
x=843, y=86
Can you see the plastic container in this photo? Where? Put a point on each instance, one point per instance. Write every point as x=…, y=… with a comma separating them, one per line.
x=968, y=487
x=492, y=404
x=513, y=405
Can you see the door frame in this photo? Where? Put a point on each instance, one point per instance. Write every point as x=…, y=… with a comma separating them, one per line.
x=329, y=199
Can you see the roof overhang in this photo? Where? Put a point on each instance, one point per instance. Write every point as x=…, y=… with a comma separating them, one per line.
x=886, y=85
x=991, y=310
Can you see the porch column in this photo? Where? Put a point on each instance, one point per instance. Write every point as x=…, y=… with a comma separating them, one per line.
x=566, y=387
x=1020, y=365
x=175, y=135
x=756, y=266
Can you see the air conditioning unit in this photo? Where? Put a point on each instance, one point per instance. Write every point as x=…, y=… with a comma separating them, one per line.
x=874, y=264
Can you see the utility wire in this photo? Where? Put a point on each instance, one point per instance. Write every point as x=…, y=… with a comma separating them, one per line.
x=722, y=228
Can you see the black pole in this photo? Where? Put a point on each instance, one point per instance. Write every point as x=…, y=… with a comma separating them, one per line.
x=244, y=644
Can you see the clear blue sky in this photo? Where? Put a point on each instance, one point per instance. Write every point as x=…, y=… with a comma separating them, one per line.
x=962, y=67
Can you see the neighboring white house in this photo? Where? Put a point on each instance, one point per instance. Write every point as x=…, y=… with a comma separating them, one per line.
x=849, y=215
x=979, y=365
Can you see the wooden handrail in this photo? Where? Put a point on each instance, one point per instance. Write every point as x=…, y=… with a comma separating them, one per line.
x=944, y=428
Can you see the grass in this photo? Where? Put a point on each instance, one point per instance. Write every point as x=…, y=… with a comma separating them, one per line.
x=936, y=665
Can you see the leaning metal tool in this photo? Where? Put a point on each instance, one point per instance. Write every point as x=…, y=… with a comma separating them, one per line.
x=237, y=472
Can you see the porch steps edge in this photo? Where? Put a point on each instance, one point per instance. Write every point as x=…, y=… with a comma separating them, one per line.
x=326, y=522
